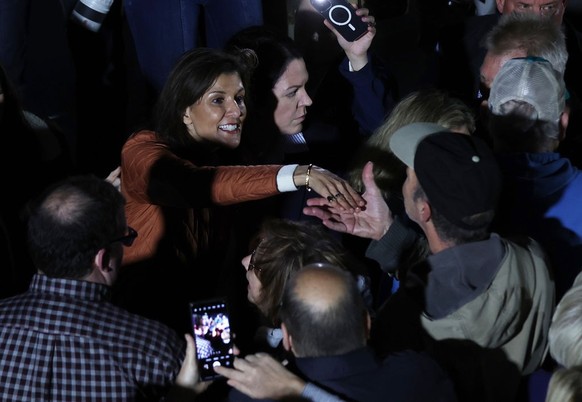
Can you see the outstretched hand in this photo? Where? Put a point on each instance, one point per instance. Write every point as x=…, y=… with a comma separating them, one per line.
x=371, y=222
x=336, y=191
x=260, y=376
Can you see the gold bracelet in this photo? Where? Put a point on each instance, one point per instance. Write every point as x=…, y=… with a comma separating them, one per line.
x=307, y=177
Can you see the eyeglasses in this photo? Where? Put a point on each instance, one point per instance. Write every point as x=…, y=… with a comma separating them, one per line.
x=547, y=10
x=252, y=265
x=128, y=239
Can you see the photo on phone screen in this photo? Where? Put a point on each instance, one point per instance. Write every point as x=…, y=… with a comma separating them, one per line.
x=212, y=334
x=343, y=17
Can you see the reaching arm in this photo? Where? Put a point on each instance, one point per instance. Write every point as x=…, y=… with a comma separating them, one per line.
x=334, y=190
x=260, y=376
x=373, y=86
x=152, y=173
x=357, y=51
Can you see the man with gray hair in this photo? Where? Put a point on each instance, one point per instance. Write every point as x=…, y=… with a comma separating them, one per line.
x=462, y=49
x=523, y=35
x=542, y=190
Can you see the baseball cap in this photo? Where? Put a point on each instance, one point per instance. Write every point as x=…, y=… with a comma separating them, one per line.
x=404, y=144
x=458, y=172
x=532, y=80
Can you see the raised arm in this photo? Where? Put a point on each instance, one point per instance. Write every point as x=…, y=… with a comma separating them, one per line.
x=357, y=51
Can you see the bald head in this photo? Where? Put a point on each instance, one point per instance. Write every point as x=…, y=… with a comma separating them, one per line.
x=323, y=311
x=70, y=222
x=321, y=286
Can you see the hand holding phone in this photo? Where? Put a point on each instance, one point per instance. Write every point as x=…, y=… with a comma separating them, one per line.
x=212, y=335
x=343, y=17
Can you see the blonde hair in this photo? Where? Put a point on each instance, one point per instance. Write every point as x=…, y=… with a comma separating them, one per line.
x=431, y=106
x=565, y=385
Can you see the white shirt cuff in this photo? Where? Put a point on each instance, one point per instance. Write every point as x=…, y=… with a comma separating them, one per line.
x=285, y=181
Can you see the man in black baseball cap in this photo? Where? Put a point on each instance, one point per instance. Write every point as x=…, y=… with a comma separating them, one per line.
x=481, y=303
x=457, y=172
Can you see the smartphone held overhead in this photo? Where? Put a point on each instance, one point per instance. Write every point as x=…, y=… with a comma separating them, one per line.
x=343, y=17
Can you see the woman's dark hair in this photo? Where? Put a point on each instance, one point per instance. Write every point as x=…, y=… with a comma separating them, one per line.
x=194, y=73
x=274, y=52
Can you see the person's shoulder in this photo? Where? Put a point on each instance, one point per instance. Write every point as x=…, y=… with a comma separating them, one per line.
x=133, y=330
x=524, y=260
x=412, y=361
x=13, y=304
x=143, y=141
x=519, y=241
x=419, y=376
x=141, y=136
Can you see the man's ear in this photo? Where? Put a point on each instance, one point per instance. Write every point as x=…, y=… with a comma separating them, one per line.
x=564, y=120
x=500, y=4
x=287, y=340
x=102, y=261
x=102, y=270
x=424, y=210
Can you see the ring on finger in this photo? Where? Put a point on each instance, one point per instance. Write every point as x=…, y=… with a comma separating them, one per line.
x=338, y=195
x=331, y=198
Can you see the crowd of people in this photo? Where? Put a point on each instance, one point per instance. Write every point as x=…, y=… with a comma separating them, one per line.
x=386, y=218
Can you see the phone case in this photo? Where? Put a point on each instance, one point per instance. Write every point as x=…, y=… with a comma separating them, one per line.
x=343, y=17
x=212, y=334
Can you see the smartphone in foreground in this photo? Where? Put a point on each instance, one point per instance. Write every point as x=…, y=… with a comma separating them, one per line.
x=343, y=17
x=211, y=331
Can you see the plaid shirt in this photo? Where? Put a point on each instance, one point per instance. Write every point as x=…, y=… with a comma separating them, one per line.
x=63, y=341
